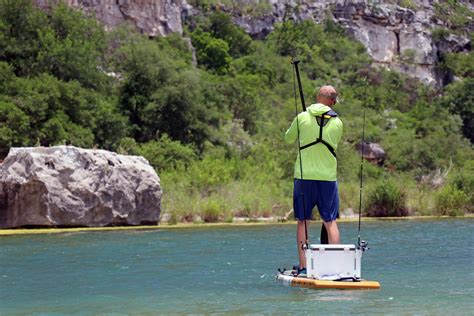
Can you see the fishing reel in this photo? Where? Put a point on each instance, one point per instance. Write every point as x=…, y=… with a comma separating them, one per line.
x=363, y=245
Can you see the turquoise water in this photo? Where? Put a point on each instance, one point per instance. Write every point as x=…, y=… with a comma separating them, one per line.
x=424, y=267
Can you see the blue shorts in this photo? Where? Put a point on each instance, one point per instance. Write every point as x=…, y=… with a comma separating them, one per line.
x=323, y=194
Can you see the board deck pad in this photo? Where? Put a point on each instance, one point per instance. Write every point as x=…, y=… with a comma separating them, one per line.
x=288, y=277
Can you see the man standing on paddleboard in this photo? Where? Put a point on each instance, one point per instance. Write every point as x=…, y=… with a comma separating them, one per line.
x=315, y=177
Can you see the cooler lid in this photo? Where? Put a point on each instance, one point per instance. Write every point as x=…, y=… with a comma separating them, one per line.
x=333, y=247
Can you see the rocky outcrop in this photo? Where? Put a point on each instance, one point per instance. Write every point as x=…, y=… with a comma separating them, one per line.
x=66, y=186
x=152, y=17
x=396, y=37
x=372, y=152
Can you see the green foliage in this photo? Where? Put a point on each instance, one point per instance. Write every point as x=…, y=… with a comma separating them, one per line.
x=64, y=44
x=461, y=64
x=165, y=95
x=451, y=201
x=386, y=198
x=14, y=125
x=214, y=132
x=439, y=34
x=212, y=209
x=245, y=96
x=459, y=99
x=462, y=180
x=407, y=56
x=324, y=51
x=409, y=4
x=59, y=112
x=253, y=8
x=222, y=27
x=166, y=154
x=454, y=14
x=211, y=52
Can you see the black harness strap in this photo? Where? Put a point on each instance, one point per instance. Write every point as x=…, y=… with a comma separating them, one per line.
x=320, y=139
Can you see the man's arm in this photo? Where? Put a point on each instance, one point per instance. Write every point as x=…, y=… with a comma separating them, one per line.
x=340, y=129
x=292, y=133
x=337, y=134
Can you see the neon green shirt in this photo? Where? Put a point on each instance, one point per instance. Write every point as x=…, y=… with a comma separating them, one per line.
x=318, y=162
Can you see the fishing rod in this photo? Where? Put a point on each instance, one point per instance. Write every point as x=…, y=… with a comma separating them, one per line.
x=295, y=63
x=324, y=239
x=362, y=244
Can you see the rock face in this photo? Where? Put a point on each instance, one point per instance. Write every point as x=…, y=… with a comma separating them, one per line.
x=152, y=17
x=372, y=152
x=397, y=38
x=66, y=186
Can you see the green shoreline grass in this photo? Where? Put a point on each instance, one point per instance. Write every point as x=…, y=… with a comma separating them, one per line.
x=36, y=231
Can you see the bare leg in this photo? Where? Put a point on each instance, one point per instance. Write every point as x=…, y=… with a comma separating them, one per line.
x=301, y=240
x=333, y=232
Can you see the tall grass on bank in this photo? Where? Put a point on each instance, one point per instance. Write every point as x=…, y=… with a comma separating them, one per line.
x=451, y=201
x=217, y=190
x=386, y=198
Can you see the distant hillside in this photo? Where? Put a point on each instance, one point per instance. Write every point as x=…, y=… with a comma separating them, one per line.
x=409, y=36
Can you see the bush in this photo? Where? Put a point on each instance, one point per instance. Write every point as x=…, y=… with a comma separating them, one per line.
x=386, y=198
x=459, y=99
x=409, y=4
x=462, y=180
x=166, y=154
x=14, y=125
x=451, y=201
x=212, y=210
x=223, y=28
x=211, y=52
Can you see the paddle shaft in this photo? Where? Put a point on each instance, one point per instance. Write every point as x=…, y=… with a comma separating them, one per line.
x=324, y=239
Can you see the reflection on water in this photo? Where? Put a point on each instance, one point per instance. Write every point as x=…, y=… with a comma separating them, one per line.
x=423, y=266
x=347, y=295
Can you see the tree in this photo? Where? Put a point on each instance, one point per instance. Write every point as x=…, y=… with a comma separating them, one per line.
x=64, y=43
x=459, y=99
x=223, y=28
x=211, y=52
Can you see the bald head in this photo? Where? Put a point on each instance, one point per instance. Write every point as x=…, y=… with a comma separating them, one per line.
x=327, y=95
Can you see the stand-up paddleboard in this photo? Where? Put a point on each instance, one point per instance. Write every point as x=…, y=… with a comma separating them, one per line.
x=288, y=278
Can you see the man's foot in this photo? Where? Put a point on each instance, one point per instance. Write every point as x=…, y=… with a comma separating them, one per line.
x=299, y=271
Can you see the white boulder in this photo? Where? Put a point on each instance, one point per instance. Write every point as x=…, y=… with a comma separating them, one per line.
x=66, y=186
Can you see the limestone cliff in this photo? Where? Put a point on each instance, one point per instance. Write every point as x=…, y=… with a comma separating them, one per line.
x=152, y=17
x=396, y=37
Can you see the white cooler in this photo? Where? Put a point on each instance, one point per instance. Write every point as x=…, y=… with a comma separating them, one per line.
x=333, y=261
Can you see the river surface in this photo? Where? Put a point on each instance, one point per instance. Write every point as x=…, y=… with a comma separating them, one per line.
x=424, y=267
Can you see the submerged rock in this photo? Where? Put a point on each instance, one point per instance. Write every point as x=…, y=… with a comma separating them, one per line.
x=68, y=186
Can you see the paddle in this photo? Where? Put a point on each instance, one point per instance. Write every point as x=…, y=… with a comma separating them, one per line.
x=324, y=239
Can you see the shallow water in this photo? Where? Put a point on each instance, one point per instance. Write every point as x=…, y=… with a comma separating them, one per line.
x=424, y=267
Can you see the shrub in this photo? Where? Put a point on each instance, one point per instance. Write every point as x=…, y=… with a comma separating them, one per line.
x=439, y=34
x=451, y=201
x=211, y=211
x=420, y=199
x=385, y=198
x=166, y=154
x=223, y=28
x=349, y=197
x=211, y=52
x=409, y=4
x=464, y=181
